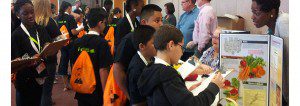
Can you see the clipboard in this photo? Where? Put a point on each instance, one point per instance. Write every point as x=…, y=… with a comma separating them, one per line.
x=52, y=48
x=19, y=64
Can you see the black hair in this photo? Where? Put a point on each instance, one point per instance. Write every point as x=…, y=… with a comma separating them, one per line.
x=108, y=2
x=112, y=14
x=63, y=7
x=129, y=3
x=148, y=10
x=268, y=5
x=142, y=34
x=77, y=11
x=95, y=16
x=164, y=35
x=193, y=1
x=116, y=10
x=170, y=8
x=18, y=5
x=52, y=6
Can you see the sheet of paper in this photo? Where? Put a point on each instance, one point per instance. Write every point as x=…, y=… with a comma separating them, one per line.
x=185, y=69
x=206, y=82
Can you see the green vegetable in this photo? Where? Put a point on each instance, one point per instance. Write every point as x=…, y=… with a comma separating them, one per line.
x=235, y=82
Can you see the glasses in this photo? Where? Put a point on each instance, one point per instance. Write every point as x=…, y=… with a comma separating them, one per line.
x=182, y=48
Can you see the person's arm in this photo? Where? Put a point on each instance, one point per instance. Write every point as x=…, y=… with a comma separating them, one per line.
x=103, y=77
x=207, y=26
x=73, y=26
x=105, y=60
x=178, y=95
x=121, y=78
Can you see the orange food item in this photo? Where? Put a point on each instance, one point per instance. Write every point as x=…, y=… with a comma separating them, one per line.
x=244, y=74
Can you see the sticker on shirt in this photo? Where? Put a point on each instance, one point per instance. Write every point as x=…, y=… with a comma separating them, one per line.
x=40, y=67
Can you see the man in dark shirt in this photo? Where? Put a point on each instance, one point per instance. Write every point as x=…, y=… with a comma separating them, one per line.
x=100, y=56
x=151, y=15
x=143, y=40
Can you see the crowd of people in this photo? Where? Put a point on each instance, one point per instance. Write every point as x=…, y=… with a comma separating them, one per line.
x=140, y=49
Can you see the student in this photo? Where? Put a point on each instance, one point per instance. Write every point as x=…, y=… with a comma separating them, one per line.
x=64, y=18
x=43, y=18
x=129, y=22
x=151, y=15
x=15, y=22
x=161, y=83
x=107, y=6
x=28, y=40
x=143, y=41
x=101, y=57
x=114, y=17
x=79, y=21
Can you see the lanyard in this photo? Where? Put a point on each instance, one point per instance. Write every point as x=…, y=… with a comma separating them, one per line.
x=130, y=22
x=32, y=40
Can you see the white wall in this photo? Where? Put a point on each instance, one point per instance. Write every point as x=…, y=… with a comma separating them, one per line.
x=235, y=7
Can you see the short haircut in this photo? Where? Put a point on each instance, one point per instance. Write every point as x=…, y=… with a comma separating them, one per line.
x=170, y=8
x=95, y=16
x=142, y=34
x=268, y=5
x=116, y=10
x=193, y=1
x=52, y=6
x=164, y=35
x=18, y=5
x=129, y=3
x=77, y=11
x=108, y=2
x=148, y=10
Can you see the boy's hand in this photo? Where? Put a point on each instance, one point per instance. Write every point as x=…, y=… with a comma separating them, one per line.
x=218, y=80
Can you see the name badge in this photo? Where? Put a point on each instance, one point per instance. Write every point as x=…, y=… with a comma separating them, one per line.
x=40, y=67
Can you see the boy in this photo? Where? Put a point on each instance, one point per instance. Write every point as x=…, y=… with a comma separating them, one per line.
x=161, y=83
x=151, y=15
x=100, y=57
x=143, y=41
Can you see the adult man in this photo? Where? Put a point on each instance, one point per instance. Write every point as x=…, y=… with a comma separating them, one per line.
x=186, y=24
x=205, y=25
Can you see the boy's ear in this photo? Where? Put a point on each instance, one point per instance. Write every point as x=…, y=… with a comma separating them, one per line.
x=143, y=21
x=141, y=46
x=170, y=45
x=99, y=23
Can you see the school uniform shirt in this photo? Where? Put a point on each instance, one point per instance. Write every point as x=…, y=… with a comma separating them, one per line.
x=52, y=28
x=15, y=22
x=125, y=51
x=135, y=69
x=123, y=28
x=69, y=21
x=20, y=45
x=163, y=86
x=101, y=58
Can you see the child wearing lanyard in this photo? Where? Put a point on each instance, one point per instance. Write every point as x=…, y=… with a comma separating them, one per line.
x=28, y=40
